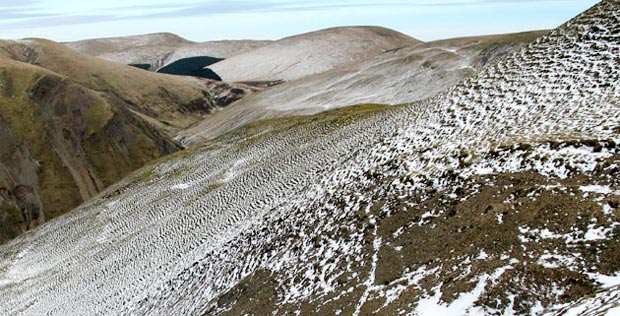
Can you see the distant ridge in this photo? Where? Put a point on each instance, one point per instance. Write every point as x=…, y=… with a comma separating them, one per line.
x=101, y=46
x=160, y=49
x=306, y=54
x=402, y=75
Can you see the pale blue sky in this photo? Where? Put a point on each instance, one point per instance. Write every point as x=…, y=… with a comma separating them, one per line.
x=65, y=20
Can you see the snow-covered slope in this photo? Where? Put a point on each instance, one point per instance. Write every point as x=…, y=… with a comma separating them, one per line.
x=499, y=197
x=219, y=49
x=251, y=60
x=398, y=76
x=306, y=54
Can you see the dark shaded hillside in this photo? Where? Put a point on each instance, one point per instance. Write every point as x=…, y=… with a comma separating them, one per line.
x=141, y=66
x=193, y=66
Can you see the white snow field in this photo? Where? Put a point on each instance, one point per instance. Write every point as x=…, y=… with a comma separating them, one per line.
x=302, y=55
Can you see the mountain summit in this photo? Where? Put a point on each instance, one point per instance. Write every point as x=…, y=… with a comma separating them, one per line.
x=306, y=54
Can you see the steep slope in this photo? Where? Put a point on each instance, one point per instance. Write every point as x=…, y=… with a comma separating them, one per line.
x=175, y=101
x=159, y=50
x=499, y=197
x=402, y=75
x=306, y=54
x=72, y=125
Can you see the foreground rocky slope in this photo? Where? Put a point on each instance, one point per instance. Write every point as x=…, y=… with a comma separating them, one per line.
x=499, y=197
x=402, y=75
x=71, y=125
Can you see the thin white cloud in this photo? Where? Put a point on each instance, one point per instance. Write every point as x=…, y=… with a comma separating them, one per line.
x=35, y=14
x=20, y=9
x=17, y=3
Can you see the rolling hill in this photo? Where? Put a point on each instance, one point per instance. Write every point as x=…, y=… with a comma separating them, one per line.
x=160, y=49
x=306, y=54
x=497, y=197
x=402, y=75
x=101, y=46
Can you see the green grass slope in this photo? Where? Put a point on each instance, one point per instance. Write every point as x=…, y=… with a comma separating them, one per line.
x=175, y=101
x=71, y=125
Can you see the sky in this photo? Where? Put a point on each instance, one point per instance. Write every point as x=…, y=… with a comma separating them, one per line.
x=69, y=20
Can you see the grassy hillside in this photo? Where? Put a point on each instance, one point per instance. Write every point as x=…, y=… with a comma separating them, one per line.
x=73, y=125
x=176, y=101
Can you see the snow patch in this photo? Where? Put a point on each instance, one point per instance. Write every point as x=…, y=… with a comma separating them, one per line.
x=463, y=305
x=181, y=186
x=600, y=189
